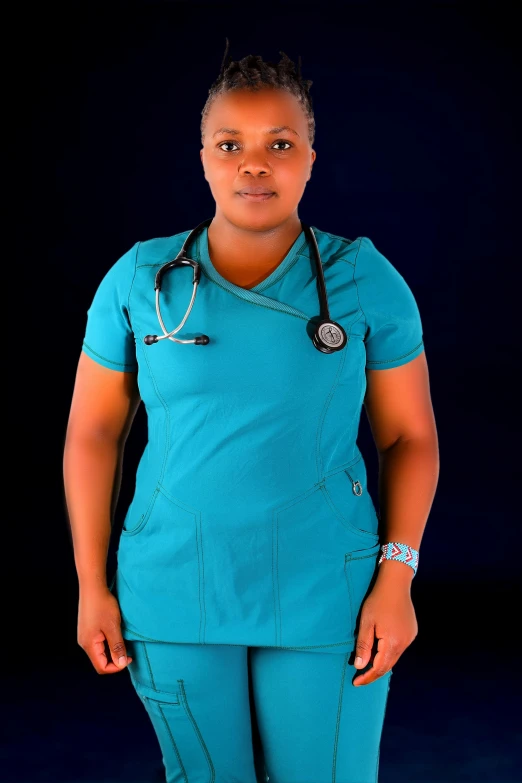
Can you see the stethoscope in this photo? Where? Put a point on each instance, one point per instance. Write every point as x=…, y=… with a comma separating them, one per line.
x=328, y=337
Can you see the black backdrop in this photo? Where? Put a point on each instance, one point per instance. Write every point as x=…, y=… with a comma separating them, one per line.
x=417, y=147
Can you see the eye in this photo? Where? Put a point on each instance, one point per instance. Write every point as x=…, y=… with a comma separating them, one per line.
x=281, y=141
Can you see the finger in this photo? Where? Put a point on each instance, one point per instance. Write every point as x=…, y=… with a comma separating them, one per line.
x=100, y=660
x=116, y=647
x=365, y=642
x=381, y=664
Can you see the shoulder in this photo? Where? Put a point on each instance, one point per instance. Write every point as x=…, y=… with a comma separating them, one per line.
x=159, y=250
x=335, y=248
x=372, y=266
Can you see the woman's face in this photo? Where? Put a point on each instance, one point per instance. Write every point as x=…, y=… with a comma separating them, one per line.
x=241, y=149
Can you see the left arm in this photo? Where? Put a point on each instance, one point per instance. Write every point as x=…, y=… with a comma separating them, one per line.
x=400, y=413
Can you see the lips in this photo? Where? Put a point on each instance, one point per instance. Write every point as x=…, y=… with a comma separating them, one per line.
x=255, y=191
x=257, y=196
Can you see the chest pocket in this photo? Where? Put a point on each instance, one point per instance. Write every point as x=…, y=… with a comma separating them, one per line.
x=346, y=493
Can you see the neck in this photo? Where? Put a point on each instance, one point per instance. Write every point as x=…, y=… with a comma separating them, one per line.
x=246, y=257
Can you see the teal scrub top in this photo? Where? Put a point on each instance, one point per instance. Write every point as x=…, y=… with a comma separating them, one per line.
x=251, y=522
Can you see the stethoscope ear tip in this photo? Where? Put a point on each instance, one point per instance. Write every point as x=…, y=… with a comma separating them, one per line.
x=202, y=339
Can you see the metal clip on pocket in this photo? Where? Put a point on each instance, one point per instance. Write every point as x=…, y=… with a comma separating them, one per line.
x=356, y=485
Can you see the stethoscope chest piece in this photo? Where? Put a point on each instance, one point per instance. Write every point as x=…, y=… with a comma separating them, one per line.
x=329, y=337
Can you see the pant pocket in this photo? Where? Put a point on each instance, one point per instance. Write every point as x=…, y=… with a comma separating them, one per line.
x=185, y=754
x=360, y=568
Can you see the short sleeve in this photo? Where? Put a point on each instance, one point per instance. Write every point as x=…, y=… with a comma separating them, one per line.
x=393, y=333
x=109, y=338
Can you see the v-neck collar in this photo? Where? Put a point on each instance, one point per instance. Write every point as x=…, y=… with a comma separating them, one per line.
x=253, y=295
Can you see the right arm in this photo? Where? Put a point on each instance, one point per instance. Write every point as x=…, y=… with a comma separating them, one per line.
x=103, y=407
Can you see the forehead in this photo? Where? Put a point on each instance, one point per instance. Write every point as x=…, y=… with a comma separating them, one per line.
x=246, y=110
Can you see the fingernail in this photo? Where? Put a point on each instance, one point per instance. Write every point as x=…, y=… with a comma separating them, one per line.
x=122, y=660
x=358, y=661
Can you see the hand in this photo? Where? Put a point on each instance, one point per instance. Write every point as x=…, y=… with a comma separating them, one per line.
x=99, y=623
x=388, y=616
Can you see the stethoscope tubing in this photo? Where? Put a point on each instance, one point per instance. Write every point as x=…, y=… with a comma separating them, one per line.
x=160, y=319
x=328, y=337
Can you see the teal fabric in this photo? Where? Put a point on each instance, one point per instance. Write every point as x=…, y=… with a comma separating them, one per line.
x=229, y=713
x=245, y=527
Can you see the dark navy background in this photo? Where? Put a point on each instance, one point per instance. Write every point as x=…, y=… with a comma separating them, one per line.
x=418, y=147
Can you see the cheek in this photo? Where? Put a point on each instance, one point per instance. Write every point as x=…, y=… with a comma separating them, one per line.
x=294, y=176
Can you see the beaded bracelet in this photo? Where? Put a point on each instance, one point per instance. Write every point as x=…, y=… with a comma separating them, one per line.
x=402, y=552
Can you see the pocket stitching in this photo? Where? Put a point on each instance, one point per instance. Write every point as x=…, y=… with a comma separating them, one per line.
x=179, y=503
x=350, y=598
x=144, y=517
x=188, y=712
x=339, y=468
x=348, y=560
x=364, y=534
x=353, y=555
x=171, y=735
x=162, y=701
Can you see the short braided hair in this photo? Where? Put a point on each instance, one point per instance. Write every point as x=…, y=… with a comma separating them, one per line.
x=252, y=73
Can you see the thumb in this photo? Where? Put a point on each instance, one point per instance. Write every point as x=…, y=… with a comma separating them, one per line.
x=364, y=646
x=117, y=648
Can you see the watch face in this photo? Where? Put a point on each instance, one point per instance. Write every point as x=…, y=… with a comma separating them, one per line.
x=330, y=334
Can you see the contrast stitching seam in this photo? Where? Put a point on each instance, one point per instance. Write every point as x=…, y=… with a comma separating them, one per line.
x=310, y=646
x=199, y=574
x=338, y=723
x=349, y=587
x=196, y=729
x=256, y=304
x=203, y=613
x=356, y=286
x=165, y=721
x=275, y=558
x=144, y=517
x=153, y=684
x=387, y=361
x=344, y=519
x=165, y=408
x=382, y=726
x=111, y=361
x=346, y=522
x=364, y=557
x=196, y=514
x=132, y=282
x=264, y=646
x=341, y=239
x=339, y=468
x=275, y=584
x=265, y=284
x=328, y=400
x=278, y=585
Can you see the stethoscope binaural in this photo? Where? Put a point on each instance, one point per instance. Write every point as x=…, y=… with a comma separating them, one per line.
x=328, y=337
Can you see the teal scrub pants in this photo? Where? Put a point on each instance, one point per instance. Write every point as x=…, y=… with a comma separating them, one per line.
x=237, y=714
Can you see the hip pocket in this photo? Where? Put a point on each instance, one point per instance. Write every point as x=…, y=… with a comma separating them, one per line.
x=347, y=494
x=360, y=569
x=310, y=601
x=182, y=743
x=131, y=525
x=160, y=569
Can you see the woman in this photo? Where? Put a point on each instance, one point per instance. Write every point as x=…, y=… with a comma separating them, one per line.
x=254, y=578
